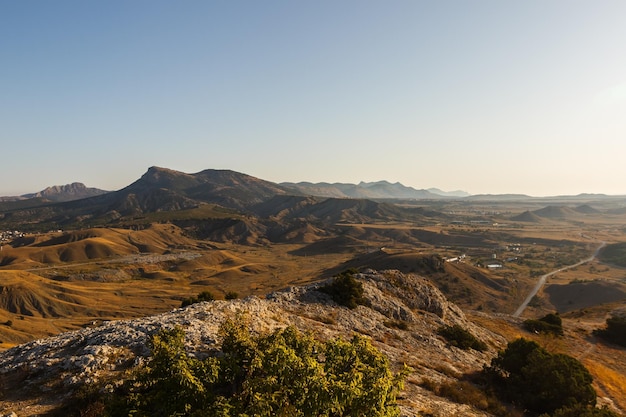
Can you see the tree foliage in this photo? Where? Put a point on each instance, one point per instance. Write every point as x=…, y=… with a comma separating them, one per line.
x=615, y=330
x=549, y=324
x=284, y=373
x=203, y=296
x=582, y=411
x=457, y=336
x=346, y=290
x=541, y=381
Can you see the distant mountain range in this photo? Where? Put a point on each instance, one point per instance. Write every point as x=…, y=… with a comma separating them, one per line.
x=246, y=205
x=69, y=192
x=229, y=183
x=371, y=190
x=58, y=193
x=242, y=204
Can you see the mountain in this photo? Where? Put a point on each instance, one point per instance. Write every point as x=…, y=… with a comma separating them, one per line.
x=159, y=190
x=457, y=193
x=164, y=194
x=371, y=190
x=499, y=197
x=223, y=187
x=68, y=192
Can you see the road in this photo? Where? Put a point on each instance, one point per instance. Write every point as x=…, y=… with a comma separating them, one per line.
x=544, y=278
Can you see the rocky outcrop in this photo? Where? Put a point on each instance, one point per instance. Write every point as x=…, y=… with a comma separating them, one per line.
x=101, y=353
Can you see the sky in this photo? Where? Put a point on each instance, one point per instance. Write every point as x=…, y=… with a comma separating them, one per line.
x=485, y=96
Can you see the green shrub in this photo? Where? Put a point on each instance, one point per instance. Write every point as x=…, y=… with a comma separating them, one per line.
x=528, y=375
x=231, y=295
x=615, y=330
x=549, y=324
x=203, y=296
x=284, y=373
x=582, y=411
x=345, y=290
x=461, y=338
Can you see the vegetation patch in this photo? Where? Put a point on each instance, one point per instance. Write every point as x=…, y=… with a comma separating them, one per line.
x=284, y=373
x=615, y=330
x=457, y=336
x=203, y=296
x=346, y=290
x=549, y=324
x=533, y=378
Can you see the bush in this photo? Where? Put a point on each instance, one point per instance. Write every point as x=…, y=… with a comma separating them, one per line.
x=550, y=324
x=203, y=296
x=461, y=338
x=284, y=373
x=231, y=295
x=615, y=331
x=397, y=324
x=345, y=290
x=582, y=411
x=530, y=376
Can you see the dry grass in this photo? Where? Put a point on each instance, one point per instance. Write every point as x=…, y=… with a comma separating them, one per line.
x=609, y=382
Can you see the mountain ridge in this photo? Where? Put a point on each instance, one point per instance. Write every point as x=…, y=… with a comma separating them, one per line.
x=373, y=190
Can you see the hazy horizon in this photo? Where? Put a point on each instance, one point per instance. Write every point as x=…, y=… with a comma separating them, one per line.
x=487, y=97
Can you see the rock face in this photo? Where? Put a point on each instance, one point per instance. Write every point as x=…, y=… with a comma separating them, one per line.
x=43, y=371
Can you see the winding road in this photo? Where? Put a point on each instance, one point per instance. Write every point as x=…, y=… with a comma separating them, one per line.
x=544, y=278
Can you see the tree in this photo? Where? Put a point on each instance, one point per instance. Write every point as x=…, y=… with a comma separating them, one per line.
x=203, y=296
x=550, y=323
x=543, y=382
x=582, y=411
x=345, y=290
x=615, y=330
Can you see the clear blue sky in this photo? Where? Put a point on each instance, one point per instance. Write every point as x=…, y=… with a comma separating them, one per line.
x=485, y=96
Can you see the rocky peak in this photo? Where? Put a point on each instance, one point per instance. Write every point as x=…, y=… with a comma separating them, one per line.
x=68, y=192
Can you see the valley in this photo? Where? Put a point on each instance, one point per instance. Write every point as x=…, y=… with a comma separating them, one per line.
x=489, y=265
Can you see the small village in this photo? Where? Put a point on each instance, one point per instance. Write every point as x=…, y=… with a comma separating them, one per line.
x=9, y=235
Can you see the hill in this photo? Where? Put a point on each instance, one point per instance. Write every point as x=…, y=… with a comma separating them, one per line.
x=527, y=216
x=556, y=212
x=401, y=318
x=65, y=363
x=91, y=244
